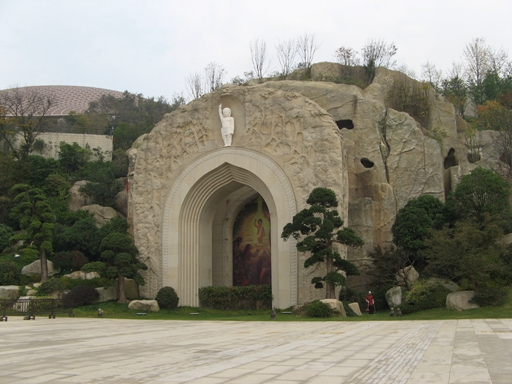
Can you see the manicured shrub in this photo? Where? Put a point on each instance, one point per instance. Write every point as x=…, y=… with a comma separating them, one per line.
x=9, y=273
x=50, y=286
x=80, y=295
x=318, y=309
x=70, y=283
x=232, y=298
x=28, y=255
x=425, y=295
x=167, y=298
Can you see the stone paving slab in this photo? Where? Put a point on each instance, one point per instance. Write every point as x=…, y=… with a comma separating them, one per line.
x=74, y=350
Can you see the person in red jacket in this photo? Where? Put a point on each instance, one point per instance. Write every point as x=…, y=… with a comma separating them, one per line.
x=370, y=302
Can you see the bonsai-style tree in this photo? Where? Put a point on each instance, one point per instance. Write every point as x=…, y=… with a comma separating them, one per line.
x=319, y=227
x=36, y=219
x=119, y=256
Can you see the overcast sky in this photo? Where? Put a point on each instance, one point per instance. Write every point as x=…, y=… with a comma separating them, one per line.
x=151, y=46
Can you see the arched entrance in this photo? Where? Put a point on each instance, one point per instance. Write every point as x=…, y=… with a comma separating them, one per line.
x=199, y=214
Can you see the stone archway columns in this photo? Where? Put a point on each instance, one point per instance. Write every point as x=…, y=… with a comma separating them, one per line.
x=189, y=210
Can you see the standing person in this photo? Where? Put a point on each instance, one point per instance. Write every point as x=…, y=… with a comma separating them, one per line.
x=370, y=302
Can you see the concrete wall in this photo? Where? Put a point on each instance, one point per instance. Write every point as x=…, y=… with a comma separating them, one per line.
x=52, y=140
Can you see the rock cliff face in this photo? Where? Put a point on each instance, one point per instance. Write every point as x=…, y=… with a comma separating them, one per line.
x=391, y=157
x=339, y=136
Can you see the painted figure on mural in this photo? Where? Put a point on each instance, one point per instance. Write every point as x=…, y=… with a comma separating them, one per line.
x=251, y=247
x=260, y=231
x=228, y=125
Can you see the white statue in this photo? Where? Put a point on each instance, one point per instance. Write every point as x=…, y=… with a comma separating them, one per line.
x=228, y=125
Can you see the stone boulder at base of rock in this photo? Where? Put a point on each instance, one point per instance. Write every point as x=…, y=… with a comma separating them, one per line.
x=336, y=306
x=9, y=292
x=35, y=268
x=82, y=275
x=459, y=301
x=100, y=214
x=407, y=275
x=355, y=307
x=121, y=203
x=395, y=296
x=106, y=294
x=76, y=198
x=144, y=305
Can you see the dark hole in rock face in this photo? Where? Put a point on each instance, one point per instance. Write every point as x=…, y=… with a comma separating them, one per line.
x=473, y=157
x=450, y=159
x=345, y=124
x=367, y=163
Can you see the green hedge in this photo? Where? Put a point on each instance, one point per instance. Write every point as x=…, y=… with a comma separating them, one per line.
x=425, y=295
x=229, y=298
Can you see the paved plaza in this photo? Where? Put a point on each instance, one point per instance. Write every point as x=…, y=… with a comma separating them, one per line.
x=75, y=350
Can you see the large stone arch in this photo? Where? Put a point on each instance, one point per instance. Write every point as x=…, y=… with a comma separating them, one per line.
x=181, y=175
x=189, y=211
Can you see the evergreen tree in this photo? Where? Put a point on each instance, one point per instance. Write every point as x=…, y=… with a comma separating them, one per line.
x=319, y=227
x=36, y=219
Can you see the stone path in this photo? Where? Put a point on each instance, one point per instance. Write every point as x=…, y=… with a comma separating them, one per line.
x=73, y=350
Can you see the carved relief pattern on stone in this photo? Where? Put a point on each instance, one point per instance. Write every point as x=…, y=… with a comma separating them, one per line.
x=294, y=131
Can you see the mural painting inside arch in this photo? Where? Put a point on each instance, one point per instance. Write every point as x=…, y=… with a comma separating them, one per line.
x=251, y=245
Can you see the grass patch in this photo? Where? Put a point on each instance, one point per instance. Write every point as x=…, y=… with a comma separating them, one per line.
x=115, y=310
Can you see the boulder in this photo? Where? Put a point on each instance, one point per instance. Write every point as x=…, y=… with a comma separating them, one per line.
x=144, y=305
x=131, y=289
x=355, y=307
x=106, y=294
x=336, y=306
x=121, y=203
x=9, y=292
x=507, y=239
x=100, y=214
x=82, y=275
x=35, y=268
x=459, y=301
x=395, y=296
x=76, y=198
x=406, y=276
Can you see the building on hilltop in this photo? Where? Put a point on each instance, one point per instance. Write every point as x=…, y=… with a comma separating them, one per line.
x=54, y=128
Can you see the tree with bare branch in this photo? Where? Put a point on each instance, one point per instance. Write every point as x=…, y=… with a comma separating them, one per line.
x=432, y=75
x=259, y=57
x=195, y=84
x=379, y=53
x=214, y=73
x=346, y=56
x=306, y=48
x=24, y=112
x=286, y=52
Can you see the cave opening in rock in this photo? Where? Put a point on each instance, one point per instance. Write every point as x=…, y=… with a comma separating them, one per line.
x=450, y=159
x=348, y=124
x=367, y=163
